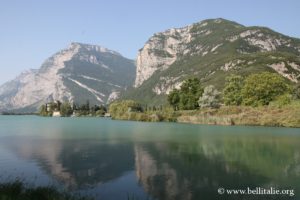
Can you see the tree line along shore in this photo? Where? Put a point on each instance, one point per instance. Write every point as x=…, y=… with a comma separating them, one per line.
x=263, y=99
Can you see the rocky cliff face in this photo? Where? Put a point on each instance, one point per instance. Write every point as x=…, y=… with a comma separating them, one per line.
x=78, y=73
x=161, y=51
x=210, y=50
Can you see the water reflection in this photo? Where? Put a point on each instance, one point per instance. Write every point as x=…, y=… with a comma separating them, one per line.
x=76, y=163
x=167, y=167
x=196, y=171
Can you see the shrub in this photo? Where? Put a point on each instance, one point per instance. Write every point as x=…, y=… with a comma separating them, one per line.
x=43, y=111
x=210, y=98
x=282, y=100
x=119, y=108
x=174, y=99
x=66, y=109
x=186, y=98
x=261, y=89
x=232, y=91
x=296, y=91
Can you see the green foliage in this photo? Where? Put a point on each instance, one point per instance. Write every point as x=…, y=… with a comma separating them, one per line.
x=49, y=108
x=282, y=100
x=261, y=89
x=43, y=111
x=174, y=99
x=87, y=110
x=66, y=109
x=209, y=67
x=208, y=71
x=187, y=97
x=296, y=91
x=286, y=116
x=98, y=111
x=131, y=110
x=210, y=98
x=119, y=108
x=232, y=90
x=162, y=53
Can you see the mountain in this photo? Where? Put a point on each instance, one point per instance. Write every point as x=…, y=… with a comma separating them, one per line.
x=78, y=73
x=211, y=50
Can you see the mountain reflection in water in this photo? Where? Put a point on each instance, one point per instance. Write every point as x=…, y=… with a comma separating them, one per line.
x=177, y=162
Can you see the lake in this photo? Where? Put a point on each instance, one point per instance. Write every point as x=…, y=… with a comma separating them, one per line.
x=110, y=159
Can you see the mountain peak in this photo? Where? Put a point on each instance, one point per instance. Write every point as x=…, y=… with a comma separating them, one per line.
x=77, y=73
x=210, y=50
x=92, y=47
x=217, y=20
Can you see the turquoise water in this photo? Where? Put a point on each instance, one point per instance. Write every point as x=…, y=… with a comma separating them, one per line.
x=110, y=159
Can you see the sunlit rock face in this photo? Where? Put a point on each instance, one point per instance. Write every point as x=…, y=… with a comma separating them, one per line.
x=76, y=74
x=161, y=51
x=211, y=50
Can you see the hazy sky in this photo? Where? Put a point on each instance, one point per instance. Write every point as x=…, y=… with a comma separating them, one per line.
x=31, y=31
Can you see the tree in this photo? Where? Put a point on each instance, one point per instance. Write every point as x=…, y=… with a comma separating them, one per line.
x=57, y=104
x=43, y=111
x=191, y=91
x=66, y=109
x=87, y=105
x=261, y=89
x=210, y=98
x=186, y=98
x=120, y=108
x=74, y=106
x=232, y=91
x=174, y=99
x=100, y=110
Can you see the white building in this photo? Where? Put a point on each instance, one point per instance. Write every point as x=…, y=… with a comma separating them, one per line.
x=56, y=114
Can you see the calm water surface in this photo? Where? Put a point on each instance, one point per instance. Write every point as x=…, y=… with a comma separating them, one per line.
x=166, y=161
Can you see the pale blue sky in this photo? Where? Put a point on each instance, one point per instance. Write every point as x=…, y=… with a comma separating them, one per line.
x=33, y=30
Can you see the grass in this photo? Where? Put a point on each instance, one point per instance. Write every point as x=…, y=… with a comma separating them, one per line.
x=153, y=116
x=272, y=115
x=17, y=191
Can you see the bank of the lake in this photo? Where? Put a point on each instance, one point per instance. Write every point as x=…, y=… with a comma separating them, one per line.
x=275, y=116
x=233, y=115
x=271, y=115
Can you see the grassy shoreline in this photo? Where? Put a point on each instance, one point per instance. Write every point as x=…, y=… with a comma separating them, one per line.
x=272, y=115
x=261, y=116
